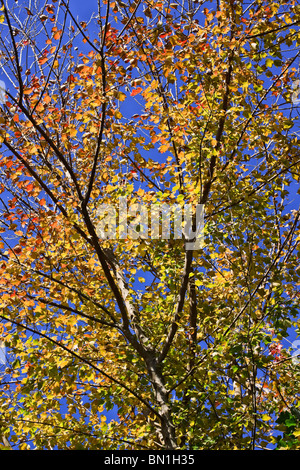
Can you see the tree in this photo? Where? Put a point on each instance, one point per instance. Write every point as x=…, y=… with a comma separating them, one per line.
x=154, y=103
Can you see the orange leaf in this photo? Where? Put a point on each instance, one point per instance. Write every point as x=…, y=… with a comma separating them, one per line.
x=30, y=187
x=43, y=60
x=72, y=132
x=57, y=34
x=50, y=8
x=27, y=91
x=136, y=91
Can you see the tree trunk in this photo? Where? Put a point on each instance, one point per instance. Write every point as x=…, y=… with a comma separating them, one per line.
x=167, y=427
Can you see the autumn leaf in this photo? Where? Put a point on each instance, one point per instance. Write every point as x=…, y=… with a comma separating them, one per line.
x=43, y=60
x=57, y=34
x=136, y=91
x=30, y=187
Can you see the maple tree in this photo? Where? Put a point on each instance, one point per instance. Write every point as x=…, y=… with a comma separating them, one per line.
x=160, y=103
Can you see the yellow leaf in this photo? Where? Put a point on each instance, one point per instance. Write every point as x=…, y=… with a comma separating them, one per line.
x=27, y=91
x=109, y=188
x=266, y=418
x=72, y=132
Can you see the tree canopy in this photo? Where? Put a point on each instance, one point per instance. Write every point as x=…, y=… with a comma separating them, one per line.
x=161, y=104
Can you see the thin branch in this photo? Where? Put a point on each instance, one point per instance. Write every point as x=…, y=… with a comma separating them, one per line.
x=21, y=86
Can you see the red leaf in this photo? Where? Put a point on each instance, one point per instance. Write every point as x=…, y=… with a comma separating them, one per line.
x=136, y=91
x=30, y=187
